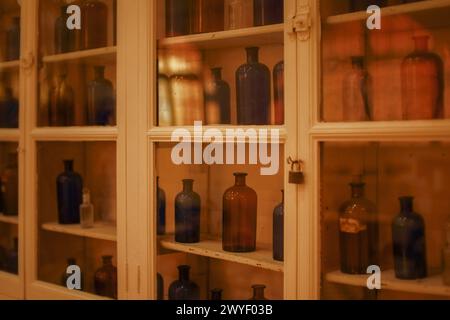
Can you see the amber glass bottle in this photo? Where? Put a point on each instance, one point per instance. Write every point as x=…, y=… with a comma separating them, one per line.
x=208, y=16
x=105, y=279
x=239, y=217
x=94, y=20
x=179, y=17
x=258, y=292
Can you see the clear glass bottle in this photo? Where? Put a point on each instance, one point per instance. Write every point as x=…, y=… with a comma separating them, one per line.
x=13, y=40
x=356, y=86
x=238, y=14
x=422, y=83
x=358, y=232
x=101, y=102
x=446, y=255
x=61, y=103
x=258, y=292
x=10, y=187
x=86, y=211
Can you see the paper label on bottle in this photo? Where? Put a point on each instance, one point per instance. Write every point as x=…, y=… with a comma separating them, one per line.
x=350, y=225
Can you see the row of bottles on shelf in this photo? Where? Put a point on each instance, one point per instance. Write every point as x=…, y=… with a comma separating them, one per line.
x=9, y=259
x=186, y=289
x=9, y=107
x=183, y=99
x=9, y=187
x=239, y=217
x=362, y=5
x=359, y=232
x=422, y=77
x=100, y=106
x=105, y=277
x=198, y=16
x=94, y=27
x=11, y=46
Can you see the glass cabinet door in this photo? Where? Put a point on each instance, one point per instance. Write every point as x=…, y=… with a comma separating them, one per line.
x=384, y=207
x=10, y=272
x=218, y=211
x=75, y=151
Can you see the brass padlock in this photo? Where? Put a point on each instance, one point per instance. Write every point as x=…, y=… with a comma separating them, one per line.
x=296, y=174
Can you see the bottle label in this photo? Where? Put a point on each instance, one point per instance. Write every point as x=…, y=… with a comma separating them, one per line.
x=350, y=225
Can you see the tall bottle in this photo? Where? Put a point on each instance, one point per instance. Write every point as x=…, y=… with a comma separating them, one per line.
x=422, y=83
x=267, y=12
x=355, y=95
x=161, y=209
x=187, y=99
x=179, y=16
x=86, y=211
x=94, y=20
x=258, y=292
x=64, y=37
x=183, y=288
x=187, y=214
x=9, y=109
x=238, y=14
x=358, y=232
x=101, y=102
x=278, y=91
x=278, y=231
x=446, y=256
x=65, y=276
x=253, y=91
x=13, y=40
x=62, y=103
x=217, y=98
x=105, y=279
x=10, y=187
x=209, y=15
x=216, y=294
x=408, y=238
x=239, y=217
x=69, y=185
x=12, y=263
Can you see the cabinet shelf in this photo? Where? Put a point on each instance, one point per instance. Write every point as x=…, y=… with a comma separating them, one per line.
x=15, y=64
x=100, y=56
x=415, y=7
x=100, y=231
x=432, y=285
x=9, y=134
x=272, y=34
x=164, y=134
x=208, y=247
x=85, y=133
x=8, y=219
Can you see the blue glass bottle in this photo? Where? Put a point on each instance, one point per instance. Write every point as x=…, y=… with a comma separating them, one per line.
x=161, y=209
x=253, y=91
x=101, y=102
x=278, y=231
x=183, y=288
x=9, y=110
x=69, y=185
x=187, y=214
x=408, y=238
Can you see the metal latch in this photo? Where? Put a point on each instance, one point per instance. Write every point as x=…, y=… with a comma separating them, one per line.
x=301, y=23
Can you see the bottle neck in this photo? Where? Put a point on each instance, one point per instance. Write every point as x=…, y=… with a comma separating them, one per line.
x=216, y=294
x=99, y=73
x=183, y=273
x=421, y=43
x=68, y=165
x=406, y=205
x=107, y=260
x=86, y=197
x=240, y=179
x=188, y=185
x=216, y=74
x=252, y=55
x=357, y=190
x=258, y=291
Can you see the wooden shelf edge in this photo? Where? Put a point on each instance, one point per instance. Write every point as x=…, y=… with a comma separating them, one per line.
x=75, y=134
x=9, y=135
x=83, y=54
x=9, y=219
x=9, y=64
x=432, y=285
x=99, y=231
x=41, y=290
x=203, y=248
x=389, y=11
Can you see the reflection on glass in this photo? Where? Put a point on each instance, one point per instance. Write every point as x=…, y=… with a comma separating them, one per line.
x=187, y=98
x=61, y=103
x=165, y=112
x=422, y=83
x=217, y=95
x=356, y=92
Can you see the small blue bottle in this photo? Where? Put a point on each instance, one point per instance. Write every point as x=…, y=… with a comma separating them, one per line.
x=187, y=214
x=161, y=209
x=184, y=288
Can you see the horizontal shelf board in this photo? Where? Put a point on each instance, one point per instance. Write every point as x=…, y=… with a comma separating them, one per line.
x=15, y=64
x=422, y=130
x=47, y=291
x=261, y=258
x=164, y=134
x=99, y=231
x=264, y=35
x=101, y=56
x=9, y=134
x=419, y=6
x=75, y=133
x=432, y=285
x=8, y=219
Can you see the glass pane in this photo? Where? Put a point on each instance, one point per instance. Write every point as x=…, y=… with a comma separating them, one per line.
x=77, y=73
x=9, y=185
x=397, y=72
x=385, y=205
x=228, y=234
x=77, y=215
